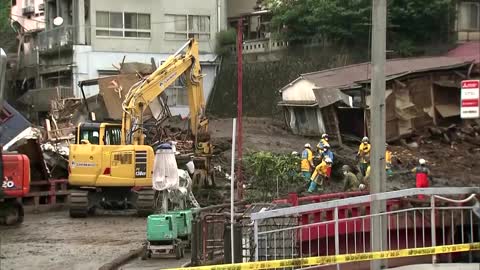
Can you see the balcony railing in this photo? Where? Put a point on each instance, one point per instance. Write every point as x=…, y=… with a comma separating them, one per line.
x=263, y=45
x=28, y=10
x=57, y=38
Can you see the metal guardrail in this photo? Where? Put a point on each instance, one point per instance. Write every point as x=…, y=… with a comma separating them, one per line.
x=364, y=199
x=343, y=226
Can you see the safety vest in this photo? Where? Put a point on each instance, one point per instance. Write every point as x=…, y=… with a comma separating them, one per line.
x=307, y=156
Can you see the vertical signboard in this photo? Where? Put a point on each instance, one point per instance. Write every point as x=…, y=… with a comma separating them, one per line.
x=470, y=99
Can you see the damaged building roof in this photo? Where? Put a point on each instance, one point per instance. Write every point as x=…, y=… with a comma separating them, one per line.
x=351, y=76
x=323, y=98
x=469, y=49
x=329, y=96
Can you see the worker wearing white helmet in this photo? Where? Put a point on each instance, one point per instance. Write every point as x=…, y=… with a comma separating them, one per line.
x=307, y=162
x=322, y=173
x=422, y=174
x=322, y=143
x=327, y=152
x=363, y=155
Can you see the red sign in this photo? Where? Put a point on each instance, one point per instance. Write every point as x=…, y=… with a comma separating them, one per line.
x=470, y=99
x=469, y=84
x=470, y=103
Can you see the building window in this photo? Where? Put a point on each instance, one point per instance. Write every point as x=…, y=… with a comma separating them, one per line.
x=14, y=3
x=177, y=94
x=469, y=16
x=182, y=27
x=127, y=24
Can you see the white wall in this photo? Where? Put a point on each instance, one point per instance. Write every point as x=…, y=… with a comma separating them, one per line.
x=89, y=62
x=35, y=22
x=157, y=9
x=300, y=90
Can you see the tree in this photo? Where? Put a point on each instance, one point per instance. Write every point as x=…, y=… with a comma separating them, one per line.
x=5, y=16
x=346, y=21
x=272, y=175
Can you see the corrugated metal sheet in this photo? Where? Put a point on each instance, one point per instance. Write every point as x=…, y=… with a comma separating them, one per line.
x=329, y=96
x=448, y=110
x=40, y=98
x=351, y=76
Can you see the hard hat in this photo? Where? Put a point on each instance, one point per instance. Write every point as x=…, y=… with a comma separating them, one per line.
x=328, y=160
x=294, y=153
x=361, y=187
x=345, y=168
x=324, y=135
x=307, y=145
x=422, y=161
x=365, y=139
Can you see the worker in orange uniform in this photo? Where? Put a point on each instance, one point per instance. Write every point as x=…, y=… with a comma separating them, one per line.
x=322, y=173
x=363, y=155
x=388, y=160
x=422, y=173
x=322, y=143
x=307, y=162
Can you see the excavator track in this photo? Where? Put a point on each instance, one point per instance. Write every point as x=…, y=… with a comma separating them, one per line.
x=145, y=202
x=79, y=203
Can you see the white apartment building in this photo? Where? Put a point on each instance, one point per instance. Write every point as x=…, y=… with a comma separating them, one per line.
x=96, y=34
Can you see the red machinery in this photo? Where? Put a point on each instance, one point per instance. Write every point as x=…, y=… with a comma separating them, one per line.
x=15, y=175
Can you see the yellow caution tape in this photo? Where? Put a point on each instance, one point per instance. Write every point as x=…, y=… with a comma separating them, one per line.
x=334, y=259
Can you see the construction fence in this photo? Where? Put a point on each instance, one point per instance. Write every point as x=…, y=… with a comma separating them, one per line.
x=418, y=226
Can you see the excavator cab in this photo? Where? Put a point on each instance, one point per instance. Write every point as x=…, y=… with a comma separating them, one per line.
x=98, y=133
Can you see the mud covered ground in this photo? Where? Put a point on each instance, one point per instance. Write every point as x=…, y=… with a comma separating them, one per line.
x=55, y=241
x=453, y=162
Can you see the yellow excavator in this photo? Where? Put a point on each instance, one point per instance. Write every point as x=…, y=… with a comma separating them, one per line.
x=110, y=167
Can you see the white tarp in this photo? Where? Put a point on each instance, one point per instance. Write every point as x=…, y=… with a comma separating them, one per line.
x=165, y=172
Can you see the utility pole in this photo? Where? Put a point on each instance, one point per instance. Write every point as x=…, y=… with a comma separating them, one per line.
x=377, y=122
x=239, y=107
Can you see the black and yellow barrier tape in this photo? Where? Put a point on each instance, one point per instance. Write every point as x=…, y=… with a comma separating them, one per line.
x=334, y=259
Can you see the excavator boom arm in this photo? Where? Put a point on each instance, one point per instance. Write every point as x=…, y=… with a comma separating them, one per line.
x=144, y=92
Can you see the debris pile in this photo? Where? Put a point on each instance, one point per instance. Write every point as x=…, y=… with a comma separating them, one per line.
x=60, y=123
